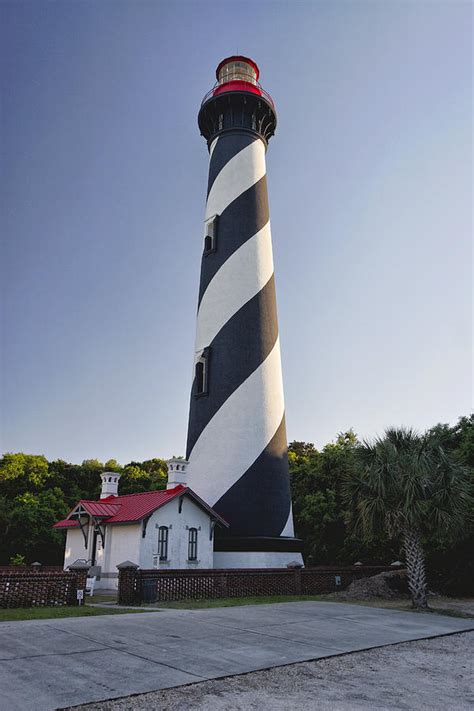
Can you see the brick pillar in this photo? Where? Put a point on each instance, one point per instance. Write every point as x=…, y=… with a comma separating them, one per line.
x=295, y=568
x=80, y=571
x=297, y=582
x=129, y=588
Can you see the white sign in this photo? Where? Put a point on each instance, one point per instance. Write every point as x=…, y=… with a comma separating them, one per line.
x=80, y=594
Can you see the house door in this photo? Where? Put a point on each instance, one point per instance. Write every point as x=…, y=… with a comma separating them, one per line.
x=94, y=546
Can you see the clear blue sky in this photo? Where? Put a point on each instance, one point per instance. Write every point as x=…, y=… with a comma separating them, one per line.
x=104, y=178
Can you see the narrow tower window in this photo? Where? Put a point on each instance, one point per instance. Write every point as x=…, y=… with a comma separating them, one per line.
x=210, y=236
x=200, y=377
x=202, y=373
x=163, y=543
x=192, y=544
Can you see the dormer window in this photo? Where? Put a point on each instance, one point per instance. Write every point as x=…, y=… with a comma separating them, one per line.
x=210, y=236
x=202, y=373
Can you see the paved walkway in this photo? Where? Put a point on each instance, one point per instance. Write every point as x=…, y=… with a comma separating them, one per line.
x=49, y=664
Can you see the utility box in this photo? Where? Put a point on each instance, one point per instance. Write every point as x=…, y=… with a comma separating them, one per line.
x=149, y=590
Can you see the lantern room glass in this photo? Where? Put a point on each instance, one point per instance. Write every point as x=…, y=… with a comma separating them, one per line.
x=237, y=71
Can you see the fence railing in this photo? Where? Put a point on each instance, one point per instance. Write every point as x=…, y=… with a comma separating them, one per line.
x=219, y=90
x=44, y=588
x=137, y=586
x=30, y=569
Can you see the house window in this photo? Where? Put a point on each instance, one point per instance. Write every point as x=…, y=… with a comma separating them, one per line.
x=210, y=236
x=163, y=543
x=192, y=544
x=202, y=373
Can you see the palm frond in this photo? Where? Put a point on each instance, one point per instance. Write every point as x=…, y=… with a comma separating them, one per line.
x=406, y=479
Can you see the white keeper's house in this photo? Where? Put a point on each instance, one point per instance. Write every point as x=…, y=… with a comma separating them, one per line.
x=169, y=528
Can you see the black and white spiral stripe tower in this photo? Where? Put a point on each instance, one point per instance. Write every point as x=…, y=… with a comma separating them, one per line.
x=237, y=447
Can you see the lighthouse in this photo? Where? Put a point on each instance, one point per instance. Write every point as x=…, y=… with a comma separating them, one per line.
x=236, y=446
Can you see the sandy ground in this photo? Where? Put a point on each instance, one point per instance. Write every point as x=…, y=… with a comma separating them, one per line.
x=430, y=674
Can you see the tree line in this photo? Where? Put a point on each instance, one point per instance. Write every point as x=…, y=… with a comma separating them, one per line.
x=340, y=511
x=357, y=501
x=35, y=493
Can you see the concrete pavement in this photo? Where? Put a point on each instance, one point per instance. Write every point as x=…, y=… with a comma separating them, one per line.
x=49, y=664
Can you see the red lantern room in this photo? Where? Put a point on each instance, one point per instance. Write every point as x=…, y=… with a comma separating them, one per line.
x=237, y=74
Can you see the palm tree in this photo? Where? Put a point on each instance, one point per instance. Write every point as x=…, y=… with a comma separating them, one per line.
x=405, y=484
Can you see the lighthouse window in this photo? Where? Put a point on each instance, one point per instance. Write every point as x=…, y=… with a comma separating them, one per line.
x=163, y=543
x=200, y=377
x=237, y=71
x=192, y=544
x=202, y=373
x=210, y=237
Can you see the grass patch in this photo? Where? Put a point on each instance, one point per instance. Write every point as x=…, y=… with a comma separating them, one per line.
x=100, y=597
x=233, y=601
x=47, y=613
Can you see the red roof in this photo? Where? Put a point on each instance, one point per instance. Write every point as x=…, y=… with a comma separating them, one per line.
x=66, y=523
x=102, y=508
x=133, y=507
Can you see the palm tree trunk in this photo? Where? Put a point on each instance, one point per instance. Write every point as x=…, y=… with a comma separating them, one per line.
x=415, y=560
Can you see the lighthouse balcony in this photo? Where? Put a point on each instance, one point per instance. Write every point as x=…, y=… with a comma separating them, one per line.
x=238, y=85
x=237, y=106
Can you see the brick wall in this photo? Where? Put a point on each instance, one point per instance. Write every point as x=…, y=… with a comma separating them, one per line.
x=40, y=588
x=137, y=585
